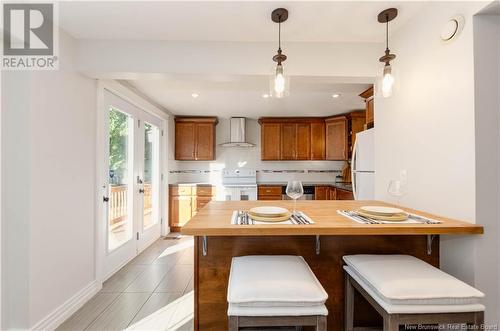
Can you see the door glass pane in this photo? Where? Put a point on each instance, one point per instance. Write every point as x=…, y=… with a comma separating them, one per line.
x=151, y=175
x=120, y=178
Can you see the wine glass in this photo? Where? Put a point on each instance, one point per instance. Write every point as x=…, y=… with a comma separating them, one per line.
x=294, y=190
x=397, y=189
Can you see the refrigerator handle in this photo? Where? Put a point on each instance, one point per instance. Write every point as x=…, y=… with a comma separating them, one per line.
x=353, y=174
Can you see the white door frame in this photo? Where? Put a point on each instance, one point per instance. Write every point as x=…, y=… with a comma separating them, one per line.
x=101, y=164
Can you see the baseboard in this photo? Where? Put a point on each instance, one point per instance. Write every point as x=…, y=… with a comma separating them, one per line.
x=64, y=311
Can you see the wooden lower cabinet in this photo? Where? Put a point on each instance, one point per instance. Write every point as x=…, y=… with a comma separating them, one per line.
x=322, y=193
x=267, y=192
x=343, y=194
x=185, y=201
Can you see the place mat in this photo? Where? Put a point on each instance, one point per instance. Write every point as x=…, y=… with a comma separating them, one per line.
x=412, y=219
x=235, y=220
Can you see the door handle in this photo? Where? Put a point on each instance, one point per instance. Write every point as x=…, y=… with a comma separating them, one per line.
x=141, y=190
x=105, y=198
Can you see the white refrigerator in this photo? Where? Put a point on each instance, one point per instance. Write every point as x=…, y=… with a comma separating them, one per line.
x=363, y=166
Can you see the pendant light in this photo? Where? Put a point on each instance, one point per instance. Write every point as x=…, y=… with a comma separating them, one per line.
x=386, y=84
x=279, y=83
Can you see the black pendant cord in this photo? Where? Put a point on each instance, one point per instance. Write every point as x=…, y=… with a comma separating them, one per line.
x=387, y=32
x=279, y=36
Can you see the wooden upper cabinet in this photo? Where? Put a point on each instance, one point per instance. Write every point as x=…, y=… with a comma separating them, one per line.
x=270, y=141
x=357, y=120
x=291, y=138
x=303, y=141
x=195, y=138
x=288, y=141
x=370, y=118
x=317, y=141
x=185, y=141
x=336, y=138
x=205, y=144
x=368, y=96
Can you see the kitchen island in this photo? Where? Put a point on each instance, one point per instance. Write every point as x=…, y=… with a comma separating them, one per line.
x=322, y=245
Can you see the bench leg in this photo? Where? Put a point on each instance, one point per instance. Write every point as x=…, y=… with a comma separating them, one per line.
x=390, y=323
x=348, y=305
x=233, y=323
x=321, y=323
x=478, y=321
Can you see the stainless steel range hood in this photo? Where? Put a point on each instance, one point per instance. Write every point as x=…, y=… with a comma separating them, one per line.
x=237, y=133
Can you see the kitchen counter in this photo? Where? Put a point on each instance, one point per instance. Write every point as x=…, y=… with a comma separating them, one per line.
x=342, y=186
x=322, y=245
x=191, y=184
x=214, y=220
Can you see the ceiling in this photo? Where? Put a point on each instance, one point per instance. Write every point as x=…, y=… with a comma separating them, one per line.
x=242, y=96
x=309, y=21
x=238, y=21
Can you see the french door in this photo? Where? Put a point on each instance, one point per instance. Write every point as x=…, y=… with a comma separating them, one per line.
x=133, y=181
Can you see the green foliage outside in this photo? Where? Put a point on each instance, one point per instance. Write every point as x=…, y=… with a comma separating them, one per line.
x=118, y=146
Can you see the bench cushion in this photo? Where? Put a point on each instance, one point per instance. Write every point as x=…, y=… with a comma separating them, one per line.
x=237, y=310
x=273, y=281
x=412, y=309
x=406, y=280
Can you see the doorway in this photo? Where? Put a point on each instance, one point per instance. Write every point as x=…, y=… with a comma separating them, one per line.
x=132, y=185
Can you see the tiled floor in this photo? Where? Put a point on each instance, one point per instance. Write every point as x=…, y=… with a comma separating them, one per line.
x=154, y=291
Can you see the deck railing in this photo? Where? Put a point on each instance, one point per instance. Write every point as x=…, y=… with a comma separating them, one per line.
x=118, y=202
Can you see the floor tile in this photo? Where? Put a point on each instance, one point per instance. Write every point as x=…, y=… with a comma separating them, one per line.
x=187, y=257
x=123, y=278
x=121, y=312
x=177, y=279
x=155, y=302
x=88, y=313
x=149, y=279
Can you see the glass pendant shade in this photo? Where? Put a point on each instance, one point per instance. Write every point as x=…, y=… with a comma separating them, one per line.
x=387, y=84
x=279, y=83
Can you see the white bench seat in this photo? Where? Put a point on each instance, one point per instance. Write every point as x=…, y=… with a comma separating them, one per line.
x=406, y=290
x=267, y=290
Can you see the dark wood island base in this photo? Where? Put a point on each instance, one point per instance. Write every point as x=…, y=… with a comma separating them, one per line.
x=212, y=269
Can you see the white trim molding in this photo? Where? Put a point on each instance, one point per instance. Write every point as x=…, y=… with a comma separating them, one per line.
x=68, y=308
x=149, y=107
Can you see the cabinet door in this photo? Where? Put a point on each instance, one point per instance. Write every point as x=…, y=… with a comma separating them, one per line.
x=205, y=148
x=336, y=139
x=333, y=193
x=369, y=111
x=357, y=125
x=303, y=141
x=180, y=210
x=185, y=141
x=317, y=141
x=201, y=202
x=270, y=141
x=288, y=141
x=344, y=195
x=321, y=193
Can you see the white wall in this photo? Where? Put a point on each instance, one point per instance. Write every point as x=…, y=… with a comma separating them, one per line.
x=247, y=158
x=427, y=128
x=48, y=161
x=153, y=59
x=487, y=122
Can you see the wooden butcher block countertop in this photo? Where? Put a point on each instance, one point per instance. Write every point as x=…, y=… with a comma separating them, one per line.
x=215, y=220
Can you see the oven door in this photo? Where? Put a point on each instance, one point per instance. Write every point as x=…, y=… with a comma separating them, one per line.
x=238, y=193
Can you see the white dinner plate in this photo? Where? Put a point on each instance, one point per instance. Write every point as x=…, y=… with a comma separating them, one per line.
x=269, y=211
x=382, y=210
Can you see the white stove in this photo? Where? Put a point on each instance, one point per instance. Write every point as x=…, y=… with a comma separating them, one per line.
x=239, y=184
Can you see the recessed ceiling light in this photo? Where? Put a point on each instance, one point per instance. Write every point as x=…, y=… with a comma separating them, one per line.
x=265, y=95
x=195, y=95
x=336, y=95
